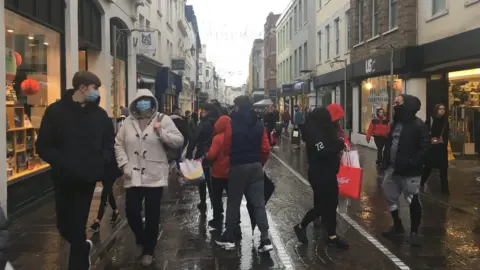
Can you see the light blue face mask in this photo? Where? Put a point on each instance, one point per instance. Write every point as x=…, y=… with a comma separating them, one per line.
x=144, y=105
x=92, y=96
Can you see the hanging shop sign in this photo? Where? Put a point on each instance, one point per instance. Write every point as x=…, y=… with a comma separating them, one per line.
x=178, y=64
x=146, y=44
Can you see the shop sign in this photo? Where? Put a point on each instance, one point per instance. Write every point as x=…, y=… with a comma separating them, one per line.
x=146, y=46
x=381, y=98
x=369, y=66
x=178, y=64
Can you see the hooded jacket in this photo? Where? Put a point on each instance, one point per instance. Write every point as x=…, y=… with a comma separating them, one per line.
x=75, y=140
x=246, y=140
x=141, y=152
x=414, y=141
x=216, y=154
x=184, y=128
x=203, y=133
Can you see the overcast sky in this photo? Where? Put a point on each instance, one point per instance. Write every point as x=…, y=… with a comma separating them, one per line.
x=228, y=28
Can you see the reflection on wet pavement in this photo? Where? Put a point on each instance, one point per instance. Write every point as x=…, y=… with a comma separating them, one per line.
x=451, y=236
x=185, y=243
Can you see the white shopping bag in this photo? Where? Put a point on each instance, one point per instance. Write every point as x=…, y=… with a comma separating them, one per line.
x=351, y=159
x=8, y=266
x=192, y=170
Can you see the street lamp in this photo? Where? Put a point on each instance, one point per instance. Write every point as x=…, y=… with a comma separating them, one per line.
x=345, y=63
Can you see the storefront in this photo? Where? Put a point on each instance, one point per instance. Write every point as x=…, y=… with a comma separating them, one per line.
x=453, y=65
x=119, y=70
x=288, y=98
x=147, y=70
x=34, y=73
x=165, y=89
x=371, y=88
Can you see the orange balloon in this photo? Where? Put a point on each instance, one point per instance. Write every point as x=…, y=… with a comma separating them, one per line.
x=30, y=87
x=18, y=59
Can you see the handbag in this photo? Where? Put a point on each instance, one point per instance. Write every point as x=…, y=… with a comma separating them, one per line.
x=192, y=171
x=172, y=153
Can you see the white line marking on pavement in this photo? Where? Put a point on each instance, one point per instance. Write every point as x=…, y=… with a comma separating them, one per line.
x=278, y=245
x=399, y=263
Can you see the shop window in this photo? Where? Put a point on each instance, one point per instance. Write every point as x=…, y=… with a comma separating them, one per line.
x=32, y=66
x=374, y=95
x=120, y=75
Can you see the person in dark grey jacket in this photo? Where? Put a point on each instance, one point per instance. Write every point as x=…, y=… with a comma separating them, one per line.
x=403, y=169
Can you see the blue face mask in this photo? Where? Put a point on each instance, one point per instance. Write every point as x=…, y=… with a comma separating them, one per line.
x=92, y=96
x=144, y=105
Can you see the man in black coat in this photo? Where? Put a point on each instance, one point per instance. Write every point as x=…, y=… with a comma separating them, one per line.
x=202, y=140
x=403, y=169
x=75, y=138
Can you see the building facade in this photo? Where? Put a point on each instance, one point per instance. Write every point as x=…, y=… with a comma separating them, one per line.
x=270, y=55
x=296, y=53
x=332, y=55
x=257, y=66
x=46, y=51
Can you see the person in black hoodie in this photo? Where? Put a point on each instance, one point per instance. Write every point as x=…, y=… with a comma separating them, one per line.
x=75, y=138
x=202, y=140
x=182, y=125
x=403, y=169
x=270, y=119
x=324, y=150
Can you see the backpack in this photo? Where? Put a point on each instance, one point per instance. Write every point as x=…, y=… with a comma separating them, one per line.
x=172, y=154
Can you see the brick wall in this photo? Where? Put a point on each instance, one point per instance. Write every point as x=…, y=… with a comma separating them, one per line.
x=404, y=36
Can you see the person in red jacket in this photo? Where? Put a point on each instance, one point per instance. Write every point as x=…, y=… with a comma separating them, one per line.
x=337, y=113
x=379, y=128
x=246, y=142
x=220, y=168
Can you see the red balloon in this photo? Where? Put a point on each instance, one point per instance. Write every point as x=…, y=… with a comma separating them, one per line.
x=30, y=87
x=18, y=59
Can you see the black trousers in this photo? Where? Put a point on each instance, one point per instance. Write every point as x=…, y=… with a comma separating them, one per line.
x=380, y=143
x=218, y=186
x=203, y=186
x=325, y=200
x=145, y=234
x=107, y=195
x=72, y=201
x=427, y=170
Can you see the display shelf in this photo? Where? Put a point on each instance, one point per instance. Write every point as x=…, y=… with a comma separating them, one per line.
x=21, y=156
x=39, y=168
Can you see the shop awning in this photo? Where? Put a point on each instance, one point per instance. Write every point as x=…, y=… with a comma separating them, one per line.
x=263, y=103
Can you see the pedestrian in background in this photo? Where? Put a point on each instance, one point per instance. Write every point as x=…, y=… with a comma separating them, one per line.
x=246, y=142
x=337, y=113
x=286, y=118
x=75, y=139
x=220, y=168
x=202, y=140
x=269, y=121
x=324, y=150
x=140, y=151
x=112, y=173
x=379, y=129
x=403, y=168
x=438, y=153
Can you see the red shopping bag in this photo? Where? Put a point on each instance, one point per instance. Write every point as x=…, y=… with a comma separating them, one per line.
x=349, y=182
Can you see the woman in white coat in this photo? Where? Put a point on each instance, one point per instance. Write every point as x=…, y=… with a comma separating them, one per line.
x=140, y=150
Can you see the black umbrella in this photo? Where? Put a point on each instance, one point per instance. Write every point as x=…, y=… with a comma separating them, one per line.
x=269, y=188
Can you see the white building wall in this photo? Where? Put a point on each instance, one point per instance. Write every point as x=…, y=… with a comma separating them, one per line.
x=261, y=68
x=459, y=16
x=326, y=16
x=3, y=130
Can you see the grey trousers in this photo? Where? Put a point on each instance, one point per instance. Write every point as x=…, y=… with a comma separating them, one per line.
x=394, y=185
x=246, y=179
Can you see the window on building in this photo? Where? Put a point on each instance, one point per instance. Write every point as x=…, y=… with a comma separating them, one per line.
x=319, y=37
x=300, y=14
x=327, y=37
x=200, y=68
x=305, y=10
x=295, y=60
x=347, y=30
x=291, y=69
x=295, y=18
x=168, y=45
x=360, y=20
x=141, y=21
x=305, y=56
x=438, y=6
x=147, y=24
x=300, y=59
x=337, y=36
x=290, y=34
x=375, y=18
x=319, y=3
x=207, y=73
x=393, y=13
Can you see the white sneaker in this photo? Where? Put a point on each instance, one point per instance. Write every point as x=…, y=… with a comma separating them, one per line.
x=90, y=247
x=146, y=260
